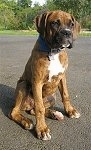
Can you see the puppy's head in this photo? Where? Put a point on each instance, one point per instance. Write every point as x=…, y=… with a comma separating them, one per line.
x=58, y=28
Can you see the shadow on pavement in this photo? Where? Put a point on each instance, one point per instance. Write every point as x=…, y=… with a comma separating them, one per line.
x=7, y=101
x=6, y=98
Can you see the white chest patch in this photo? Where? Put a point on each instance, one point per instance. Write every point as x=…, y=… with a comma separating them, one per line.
x=55, y=67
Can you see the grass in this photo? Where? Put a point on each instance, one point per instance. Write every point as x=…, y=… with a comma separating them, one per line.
x=85, y=33
x=18, y=32
x=33, y=32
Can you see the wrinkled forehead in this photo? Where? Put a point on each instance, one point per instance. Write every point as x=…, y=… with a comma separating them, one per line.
x=63, y=17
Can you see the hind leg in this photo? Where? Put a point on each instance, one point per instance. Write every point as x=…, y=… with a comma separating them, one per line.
x=49, y=102
x=16, y=113
x=49, y=111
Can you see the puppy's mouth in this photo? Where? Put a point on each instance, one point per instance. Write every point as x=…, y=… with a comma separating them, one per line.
x=69, y=45
x=62, y=39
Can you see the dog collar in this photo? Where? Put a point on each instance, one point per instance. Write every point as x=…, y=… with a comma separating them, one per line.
x=43, y=45
x=44, y=48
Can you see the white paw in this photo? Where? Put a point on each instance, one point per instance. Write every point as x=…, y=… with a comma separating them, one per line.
x=58, y=115
x=76, y=115
x=46, y=137
x=30, y=127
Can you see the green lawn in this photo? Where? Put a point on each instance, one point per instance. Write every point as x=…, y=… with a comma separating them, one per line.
x=18, y=32
x=33, y=32
x=85, y=33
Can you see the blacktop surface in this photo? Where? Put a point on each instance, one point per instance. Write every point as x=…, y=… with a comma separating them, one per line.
x=70, y=134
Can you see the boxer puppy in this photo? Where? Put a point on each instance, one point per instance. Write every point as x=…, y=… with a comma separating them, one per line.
x=45, y=72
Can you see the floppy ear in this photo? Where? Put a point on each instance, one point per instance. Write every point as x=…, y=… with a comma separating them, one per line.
x=76, y=28
x=40, y=22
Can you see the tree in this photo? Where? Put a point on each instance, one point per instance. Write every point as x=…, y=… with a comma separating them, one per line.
x=18, y=14
x=50, y=5
x=24, y=3
x=7, y=17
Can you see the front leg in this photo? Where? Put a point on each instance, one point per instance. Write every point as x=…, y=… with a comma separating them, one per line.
x=70, y=110
x=41, y=128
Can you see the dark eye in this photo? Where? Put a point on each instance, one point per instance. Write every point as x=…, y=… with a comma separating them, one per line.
x=55, y=24
x=71, y=23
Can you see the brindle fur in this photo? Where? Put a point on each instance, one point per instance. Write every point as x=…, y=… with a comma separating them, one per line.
x=33, y=92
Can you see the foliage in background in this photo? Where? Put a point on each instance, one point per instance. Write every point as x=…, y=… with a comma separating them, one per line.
x=20, y=15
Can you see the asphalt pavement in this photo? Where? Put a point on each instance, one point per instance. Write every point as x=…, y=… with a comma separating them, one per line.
x=70, y=134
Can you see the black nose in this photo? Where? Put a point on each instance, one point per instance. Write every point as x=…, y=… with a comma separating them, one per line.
x=66, y=32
